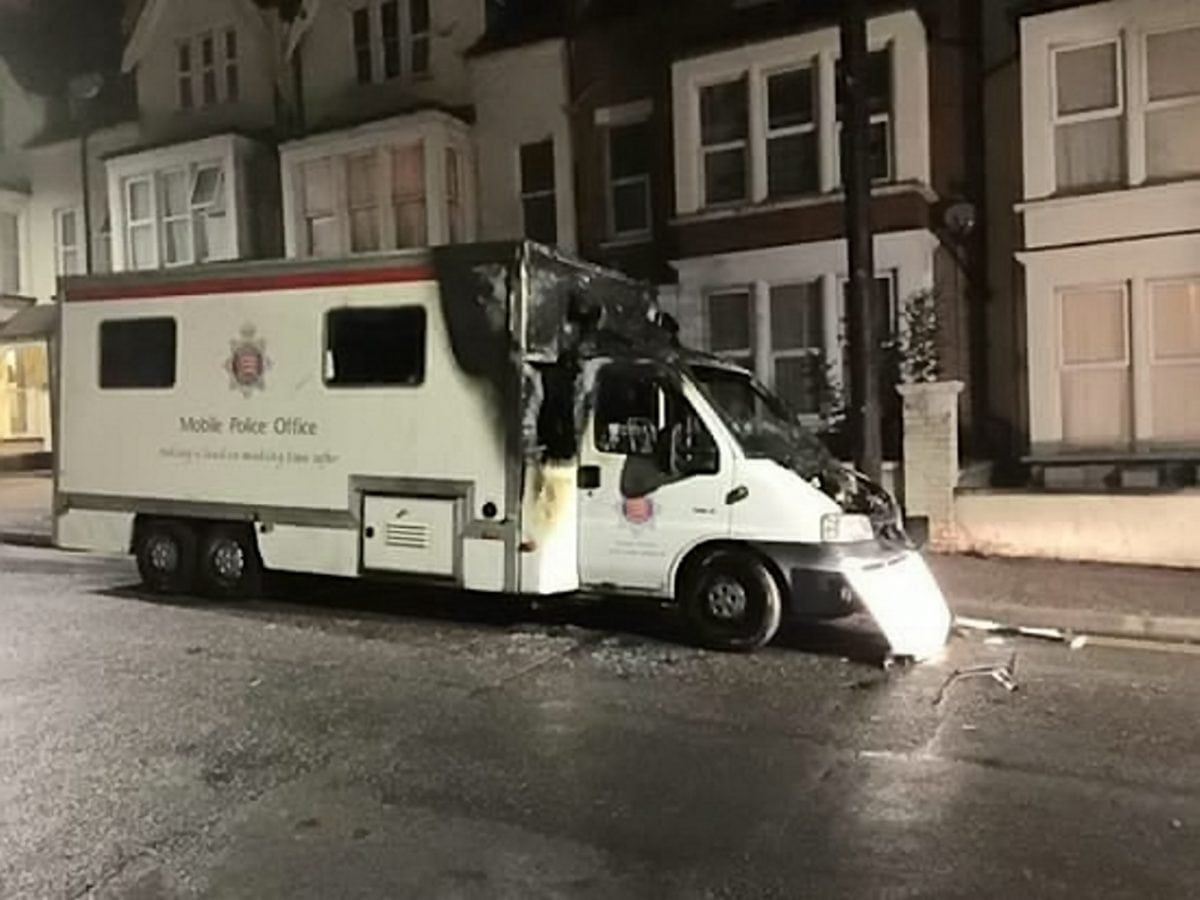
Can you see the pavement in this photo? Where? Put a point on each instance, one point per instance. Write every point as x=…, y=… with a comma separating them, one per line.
x=342, y=740
x=1137, y=602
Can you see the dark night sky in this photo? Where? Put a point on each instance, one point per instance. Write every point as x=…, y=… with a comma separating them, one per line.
x=46, y=42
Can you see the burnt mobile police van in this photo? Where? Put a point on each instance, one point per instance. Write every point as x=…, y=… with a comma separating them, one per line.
x=493, y=417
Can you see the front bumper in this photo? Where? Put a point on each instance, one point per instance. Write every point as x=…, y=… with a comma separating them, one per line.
x=889, y=580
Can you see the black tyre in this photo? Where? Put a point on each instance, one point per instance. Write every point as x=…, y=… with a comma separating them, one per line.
x=230, y=567
x=731, y=602
x=166, y=556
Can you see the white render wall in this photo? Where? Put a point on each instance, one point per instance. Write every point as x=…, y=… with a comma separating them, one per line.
x=521, y=97
x=57, y=183
x=910, y=106
x=327, y=52
x=157, y=69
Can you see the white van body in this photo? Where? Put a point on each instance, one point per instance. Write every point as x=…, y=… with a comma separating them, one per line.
x=237, y=396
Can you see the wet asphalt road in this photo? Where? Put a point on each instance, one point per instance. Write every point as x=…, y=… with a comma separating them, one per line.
x=349, y=743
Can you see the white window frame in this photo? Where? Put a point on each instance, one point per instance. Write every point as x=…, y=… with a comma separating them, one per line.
x=746, y=144
x=231, y=65
x=540, y=193
x=1092, y=115
x=637, y=113
x=1126, y=363
x=821, y=352
x=1152, y=106
x=163, y=220
x=407, y=40
x=225, y=68
x=813, y=127
x=63, y=250
x=132, y=224
x=185, y=75
x=200, y=211
x=735, y=354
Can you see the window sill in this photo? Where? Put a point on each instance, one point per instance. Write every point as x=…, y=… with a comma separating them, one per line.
x=736, y=210
x=1164, y=188
x=626, y=241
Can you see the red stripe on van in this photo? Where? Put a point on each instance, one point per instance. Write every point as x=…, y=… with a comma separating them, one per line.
x=245, y=283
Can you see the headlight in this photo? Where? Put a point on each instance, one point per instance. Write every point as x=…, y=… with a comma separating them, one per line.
x=840, y=528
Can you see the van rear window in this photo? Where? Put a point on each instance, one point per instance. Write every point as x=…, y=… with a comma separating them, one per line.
x=374, y=347
x=137, y=353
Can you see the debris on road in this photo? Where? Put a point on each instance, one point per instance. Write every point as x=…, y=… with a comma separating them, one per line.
x=1004, y=674
x=998, y=629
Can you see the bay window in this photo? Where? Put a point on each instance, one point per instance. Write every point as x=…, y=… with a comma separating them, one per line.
x=176, y=216
x=363, y=201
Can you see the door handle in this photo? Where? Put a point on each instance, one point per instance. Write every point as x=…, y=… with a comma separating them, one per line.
x=589, y=477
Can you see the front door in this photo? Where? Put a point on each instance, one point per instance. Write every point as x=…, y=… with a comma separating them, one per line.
x=652, y=480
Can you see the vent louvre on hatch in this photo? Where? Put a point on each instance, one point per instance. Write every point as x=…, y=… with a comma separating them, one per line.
x=407, y=535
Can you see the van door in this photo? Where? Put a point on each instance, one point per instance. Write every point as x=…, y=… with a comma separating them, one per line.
x=652, y=479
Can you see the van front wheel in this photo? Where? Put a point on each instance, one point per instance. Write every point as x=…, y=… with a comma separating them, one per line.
x=731, y=602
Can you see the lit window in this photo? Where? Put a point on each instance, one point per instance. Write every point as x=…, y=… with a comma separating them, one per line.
x=320, y=217
x=408, y=195
x=1089, y=117
x=1173, y=107
x=1095, y=366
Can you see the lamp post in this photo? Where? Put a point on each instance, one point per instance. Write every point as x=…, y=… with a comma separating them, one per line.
x=83, y=90
x=865, y=419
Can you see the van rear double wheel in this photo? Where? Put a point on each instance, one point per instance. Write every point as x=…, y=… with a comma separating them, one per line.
x=731, y=601
x=230, y=567
x=166, y=556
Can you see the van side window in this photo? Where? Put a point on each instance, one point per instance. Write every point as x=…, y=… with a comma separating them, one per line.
x=375, y=347
x=137, y=353
x=629, y=412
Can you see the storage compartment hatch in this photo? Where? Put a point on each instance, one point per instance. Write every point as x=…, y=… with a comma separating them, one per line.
x=409, y=534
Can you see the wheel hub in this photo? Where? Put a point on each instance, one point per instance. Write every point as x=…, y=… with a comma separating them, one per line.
x=229, y=560
x=164, y=555
x=727, y=600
